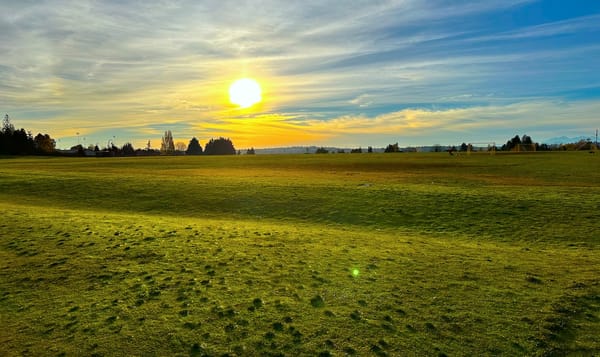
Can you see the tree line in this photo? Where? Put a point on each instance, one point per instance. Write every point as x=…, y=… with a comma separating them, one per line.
x=21, y=142
x=514, y=144
x=220, y=146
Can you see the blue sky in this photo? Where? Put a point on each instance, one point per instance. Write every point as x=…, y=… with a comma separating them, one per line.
x=344, y=73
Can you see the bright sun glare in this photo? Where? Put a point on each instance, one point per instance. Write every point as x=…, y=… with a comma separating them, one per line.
x=245, y=92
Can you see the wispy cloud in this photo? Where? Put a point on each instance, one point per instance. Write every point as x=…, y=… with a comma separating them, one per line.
x=577, y=25
x=413, y=126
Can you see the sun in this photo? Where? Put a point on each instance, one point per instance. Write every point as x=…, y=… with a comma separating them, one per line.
x=245, y=92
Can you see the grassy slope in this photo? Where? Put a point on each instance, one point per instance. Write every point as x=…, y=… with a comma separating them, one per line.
x=246, y=255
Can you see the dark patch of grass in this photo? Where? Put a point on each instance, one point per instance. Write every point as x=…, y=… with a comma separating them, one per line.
x=269, y=335
x=349, y=351
x=356, y=315
x=533, y=279
x=257, y=303
x=197, y=350
x=430, y=327
x=317, y=301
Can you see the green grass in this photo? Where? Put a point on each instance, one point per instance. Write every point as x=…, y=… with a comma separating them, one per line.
x=408, y=254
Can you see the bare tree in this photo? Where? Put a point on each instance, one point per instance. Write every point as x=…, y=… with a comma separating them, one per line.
x=167, y=146
x=180, y=146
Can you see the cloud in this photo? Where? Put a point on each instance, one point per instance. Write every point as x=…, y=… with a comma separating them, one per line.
x=379, y=67
x=363, y=100
x=581, y=24
x=412, y=126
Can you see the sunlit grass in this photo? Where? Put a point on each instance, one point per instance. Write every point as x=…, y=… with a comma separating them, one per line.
x=339, y=254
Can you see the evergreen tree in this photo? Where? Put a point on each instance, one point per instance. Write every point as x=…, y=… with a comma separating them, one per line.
x=7, y=127
x=194, y=147
x=128, y=150
x=220, y=146
x=392, y=148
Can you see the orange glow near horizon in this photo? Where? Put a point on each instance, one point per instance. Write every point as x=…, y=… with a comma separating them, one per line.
x=267, y=130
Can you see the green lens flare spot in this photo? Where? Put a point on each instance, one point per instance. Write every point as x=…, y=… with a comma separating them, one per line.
x=355, y=272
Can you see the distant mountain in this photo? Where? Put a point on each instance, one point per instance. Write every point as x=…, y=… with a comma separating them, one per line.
x=566, y=140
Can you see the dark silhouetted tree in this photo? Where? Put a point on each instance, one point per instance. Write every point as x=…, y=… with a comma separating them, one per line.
x=463, y=147
x=543, y=147
x=321, y=150
x=356, y=151
x=79, y=150
x=370, y=149
x=512, y=144
x=7, y=127
x=392, y=148
x=194, y=147
x=6, y=136
x=44, y=144
x=518, y=143
x=250, y=151
x=220, y=146
x=127, y=150
x=22, y=143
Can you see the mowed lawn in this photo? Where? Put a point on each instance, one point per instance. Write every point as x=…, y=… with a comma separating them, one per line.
x=339, y=254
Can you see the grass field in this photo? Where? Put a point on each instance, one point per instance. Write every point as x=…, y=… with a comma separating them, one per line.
x=383, y=254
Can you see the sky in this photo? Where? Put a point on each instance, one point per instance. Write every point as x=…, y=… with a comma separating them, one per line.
x=333, y=73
